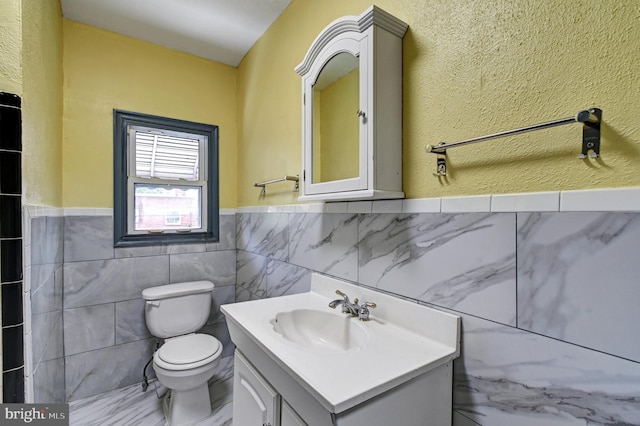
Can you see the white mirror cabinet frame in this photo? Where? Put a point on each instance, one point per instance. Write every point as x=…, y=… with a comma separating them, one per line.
x=377, y=37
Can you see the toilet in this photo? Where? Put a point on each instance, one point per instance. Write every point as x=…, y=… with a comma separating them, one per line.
x=186, y=360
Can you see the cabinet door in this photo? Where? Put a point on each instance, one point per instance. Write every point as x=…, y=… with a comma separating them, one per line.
x=255, y=402
x=288, y=417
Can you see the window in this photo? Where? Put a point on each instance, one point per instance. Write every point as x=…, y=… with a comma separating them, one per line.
x=165, y=180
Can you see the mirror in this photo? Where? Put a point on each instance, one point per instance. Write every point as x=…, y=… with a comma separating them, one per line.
x=336, y=124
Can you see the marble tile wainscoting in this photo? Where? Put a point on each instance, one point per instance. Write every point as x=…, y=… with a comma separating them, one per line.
x=549, y=300
x=547, y=290
x=44, y=348
x=89, y=333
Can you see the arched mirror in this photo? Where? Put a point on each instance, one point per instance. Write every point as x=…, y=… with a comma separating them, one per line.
x=336, y=103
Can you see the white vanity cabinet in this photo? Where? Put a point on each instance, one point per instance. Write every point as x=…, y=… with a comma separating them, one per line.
x=265, y=394
x=255, y=402
x=352, y=109
x=288, y=417
x=399, y=372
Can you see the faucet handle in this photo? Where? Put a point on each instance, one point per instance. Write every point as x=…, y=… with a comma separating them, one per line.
x=344, y=296
x=363, y=310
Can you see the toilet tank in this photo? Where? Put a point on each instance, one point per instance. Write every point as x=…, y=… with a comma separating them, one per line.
x=176, y=309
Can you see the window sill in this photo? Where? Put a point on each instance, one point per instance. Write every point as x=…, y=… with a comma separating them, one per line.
x=154, y=240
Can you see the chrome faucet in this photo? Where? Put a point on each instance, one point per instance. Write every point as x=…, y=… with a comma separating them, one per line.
x=347, y=306
x=355, y=310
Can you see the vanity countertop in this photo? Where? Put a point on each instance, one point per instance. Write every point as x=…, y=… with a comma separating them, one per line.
x=404, y=340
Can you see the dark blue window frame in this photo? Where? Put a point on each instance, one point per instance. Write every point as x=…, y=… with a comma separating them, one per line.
x=121, y=237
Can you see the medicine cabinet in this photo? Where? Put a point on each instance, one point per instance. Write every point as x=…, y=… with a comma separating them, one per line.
x=352, y=109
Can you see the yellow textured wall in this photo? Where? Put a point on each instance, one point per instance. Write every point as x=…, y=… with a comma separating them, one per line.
x=42, y=102
x=471, y=67
x=10, y=47
x=103, y=71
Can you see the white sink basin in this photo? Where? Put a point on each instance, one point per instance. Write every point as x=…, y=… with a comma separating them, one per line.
x=323, y=349
x=318, y=330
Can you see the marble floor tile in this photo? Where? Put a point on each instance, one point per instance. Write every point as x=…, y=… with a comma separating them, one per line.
x=130, y=406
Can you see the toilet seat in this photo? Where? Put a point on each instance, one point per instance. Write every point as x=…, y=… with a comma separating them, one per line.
x=187, y=352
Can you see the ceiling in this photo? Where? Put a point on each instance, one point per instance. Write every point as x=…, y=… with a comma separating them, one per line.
x=221, y=30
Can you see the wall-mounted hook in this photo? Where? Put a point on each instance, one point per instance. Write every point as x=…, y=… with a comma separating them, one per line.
x=441, y=166
x=441, y=162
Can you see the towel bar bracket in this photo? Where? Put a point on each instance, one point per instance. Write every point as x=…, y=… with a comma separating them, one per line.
x=441, y=165
x=591, y=135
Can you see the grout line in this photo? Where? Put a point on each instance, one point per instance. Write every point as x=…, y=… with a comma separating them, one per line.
x=115, y=328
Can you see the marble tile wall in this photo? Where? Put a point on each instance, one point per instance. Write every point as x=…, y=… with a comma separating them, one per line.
x=578, y=279
x=263, y=266
x=106, y=342
x=548, y=300
x=44, y=251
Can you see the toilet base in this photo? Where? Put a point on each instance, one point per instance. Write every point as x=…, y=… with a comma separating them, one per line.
x=183, y=408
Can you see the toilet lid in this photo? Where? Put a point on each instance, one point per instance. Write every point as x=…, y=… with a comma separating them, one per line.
x=188, y=349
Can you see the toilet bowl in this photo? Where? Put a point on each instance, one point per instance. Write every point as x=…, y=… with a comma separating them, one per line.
x=185, y=364
x=187, y=360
